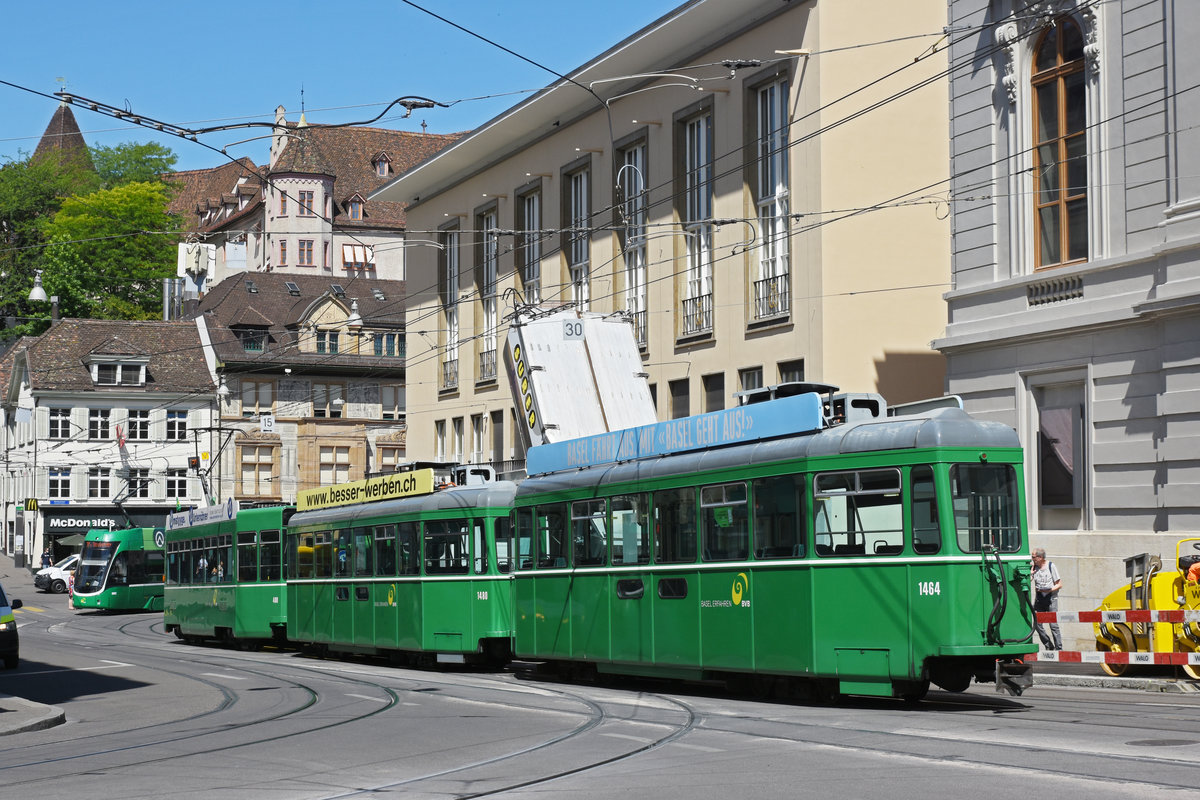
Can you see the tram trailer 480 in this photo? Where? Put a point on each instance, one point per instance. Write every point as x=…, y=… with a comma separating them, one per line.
x=120, y=570
x=871, y=556
x=225, y=575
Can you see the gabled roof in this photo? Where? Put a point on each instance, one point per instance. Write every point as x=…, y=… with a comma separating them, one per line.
x=58, y=359
x=196, y=187
x=273, y=305
x=63, y=139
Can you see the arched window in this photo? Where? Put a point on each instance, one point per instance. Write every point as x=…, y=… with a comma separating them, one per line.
x=1060, y=146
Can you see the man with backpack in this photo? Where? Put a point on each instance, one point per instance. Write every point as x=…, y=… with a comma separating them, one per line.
x=1046, y=583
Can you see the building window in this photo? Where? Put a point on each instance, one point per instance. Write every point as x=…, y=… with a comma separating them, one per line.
x=118, y=374
x=381, y=167
x=389, y=344
x=439, y=440
x=138, y=423
x=283, y=204
x=1060, y=463
x=391, y=398
x=488, y=271
x=283, y=254
x=355, y=208
x=478, y=434
x=176, y=483
x=327, y=342
x=631, y=184
x=60, y=483
x=697, y=153
x=358, y=256
x=306, y=204
x=177, y=426
x=680, y=406
x=257, y=462
x=578, y=246
x=456, y=454
x=389, y=457
x=60, y=423
x=750, y=378
x=304, y=253
x=328, y=400
x=1060, y=146
x=448, y=282
x=791, y=371
x=771, y=295
x=253, y=340
x=98, y=424
x=138, y=482
x=714, y=392
x=335, y=465
x=529, y=253
x=99, y=482
x=256, y=398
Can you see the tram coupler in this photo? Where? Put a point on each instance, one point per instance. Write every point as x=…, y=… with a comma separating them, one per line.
x=1013, y=677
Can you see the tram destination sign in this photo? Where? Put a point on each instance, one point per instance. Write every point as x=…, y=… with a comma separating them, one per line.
x=789, y=415
x=383, y=487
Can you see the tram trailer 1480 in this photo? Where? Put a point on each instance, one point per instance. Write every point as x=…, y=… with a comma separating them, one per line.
x=120, y=570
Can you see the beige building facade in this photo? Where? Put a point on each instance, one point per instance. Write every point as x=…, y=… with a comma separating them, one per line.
x=759, y=186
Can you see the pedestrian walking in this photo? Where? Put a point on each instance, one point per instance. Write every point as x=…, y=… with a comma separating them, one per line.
x=1046, y=584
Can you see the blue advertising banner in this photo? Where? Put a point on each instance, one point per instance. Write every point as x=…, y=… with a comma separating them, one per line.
x=749, y=423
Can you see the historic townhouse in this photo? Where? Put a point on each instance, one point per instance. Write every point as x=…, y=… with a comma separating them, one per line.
x=311, y=382
x=107, y=424
x=758, y=185
x=305, y=212
x=1074, y=312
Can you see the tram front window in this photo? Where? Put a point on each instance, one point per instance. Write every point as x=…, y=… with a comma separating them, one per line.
x=986, y=513
x=93, y=566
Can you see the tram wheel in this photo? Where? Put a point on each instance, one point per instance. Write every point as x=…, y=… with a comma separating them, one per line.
x=912, y=691
x=825, y=692
x=1122, y=643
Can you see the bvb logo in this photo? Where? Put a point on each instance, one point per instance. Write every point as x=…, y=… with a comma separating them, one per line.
x=392, y=595
x=740, y=585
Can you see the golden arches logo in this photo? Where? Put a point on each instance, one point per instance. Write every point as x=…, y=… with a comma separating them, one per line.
x=741, y=584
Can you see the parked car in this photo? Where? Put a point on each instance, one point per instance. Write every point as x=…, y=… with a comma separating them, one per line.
x=9, y=646
x=56, y=578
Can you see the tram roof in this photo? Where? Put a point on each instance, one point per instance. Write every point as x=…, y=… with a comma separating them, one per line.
x=497, y=494
x=943, y=427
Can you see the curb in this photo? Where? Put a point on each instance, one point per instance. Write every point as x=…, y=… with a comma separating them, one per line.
x=34, y=716
x=1106, y=682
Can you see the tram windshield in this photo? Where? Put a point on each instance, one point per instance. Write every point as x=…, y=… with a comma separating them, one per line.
x=93, y=566
x=986, y=513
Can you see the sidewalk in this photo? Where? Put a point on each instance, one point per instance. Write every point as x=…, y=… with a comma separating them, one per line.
x=18, y=715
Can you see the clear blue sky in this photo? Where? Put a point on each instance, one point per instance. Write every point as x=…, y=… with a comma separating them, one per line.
x=193, y=65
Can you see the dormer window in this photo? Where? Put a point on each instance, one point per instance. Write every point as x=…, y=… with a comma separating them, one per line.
x=254, y=340
x=356, y=209
x=382, y=166
x=118, y=374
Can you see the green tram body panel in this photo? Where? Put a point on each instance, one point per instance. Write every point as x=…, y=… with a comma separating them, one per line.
x=354, y=599
x=120, y=570
x=897, y=614
x=225, y=579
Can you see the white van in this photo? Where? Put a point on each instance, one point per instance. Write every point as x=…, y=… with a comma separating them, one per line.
x=56, y=579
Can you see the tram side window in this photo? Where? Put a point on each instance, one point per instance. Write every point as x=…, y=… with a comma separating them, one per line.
x=247, y=556
x=777, y=517
x=523, y=525
x=174, y=559
x=322, y=555
x=447, y=547
x=363, y=550
x=631, y=529
x=675, y=526
x=223, y=565
x=726, y=522
x=136, y=567
x=118, y=570
x=155, y=569
x=408, y=548
x=300, y=556
x=926, y=532
x=552, y=536
x=269, y=553
x=479, y=547
x=858, y=513
x=502, y=532
x=986, y=513
x=385, y=550
x=587, y=532
x=343, y=547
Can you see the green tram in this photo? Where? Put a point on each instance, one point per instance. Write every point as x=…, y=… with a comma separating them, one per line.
x=225, y=575
x=120, y=570
x=420, y=579
x=870, y=553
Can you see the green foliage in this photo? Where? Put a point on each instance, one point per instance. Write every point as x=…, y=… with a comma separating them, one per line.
x=110, y=251
x=130, y=162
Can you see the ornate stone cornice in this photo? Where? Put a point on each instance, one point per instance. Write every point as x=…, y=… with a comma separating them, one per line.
x=1036, y=17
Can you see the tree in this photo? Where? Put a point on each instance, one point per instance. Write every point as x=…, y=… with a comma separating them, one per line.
x=130, y=162
x=110, y=251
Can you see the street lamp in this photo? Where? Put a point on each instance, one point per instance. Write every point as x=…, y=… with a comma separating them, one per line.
x=38, y=293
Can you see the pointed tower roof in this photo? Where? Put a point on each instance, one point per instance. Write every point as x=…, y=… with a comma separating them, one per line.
x=63, y=139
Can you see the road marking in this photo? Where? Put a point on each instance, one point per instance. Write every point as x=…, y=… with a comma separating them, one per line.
x=699, y=747
x=223, y=675
x=28, y=608
x=641, y=739
x=112, y=665
x=368, y=697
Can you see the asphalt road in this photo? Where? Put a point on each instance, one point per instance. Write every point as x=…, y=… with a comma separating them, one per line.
x=147, y=716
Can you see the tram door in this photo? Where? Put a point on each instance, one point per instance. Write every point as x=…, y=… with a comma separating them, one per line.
x=630, y=589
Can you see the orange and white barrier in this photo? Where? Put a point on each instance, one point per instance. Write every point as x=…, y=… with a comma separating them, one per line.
x=1134, y=615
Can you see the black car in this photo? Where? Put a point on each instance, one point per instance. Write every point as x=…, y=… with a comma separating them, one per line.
x=9, y=645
